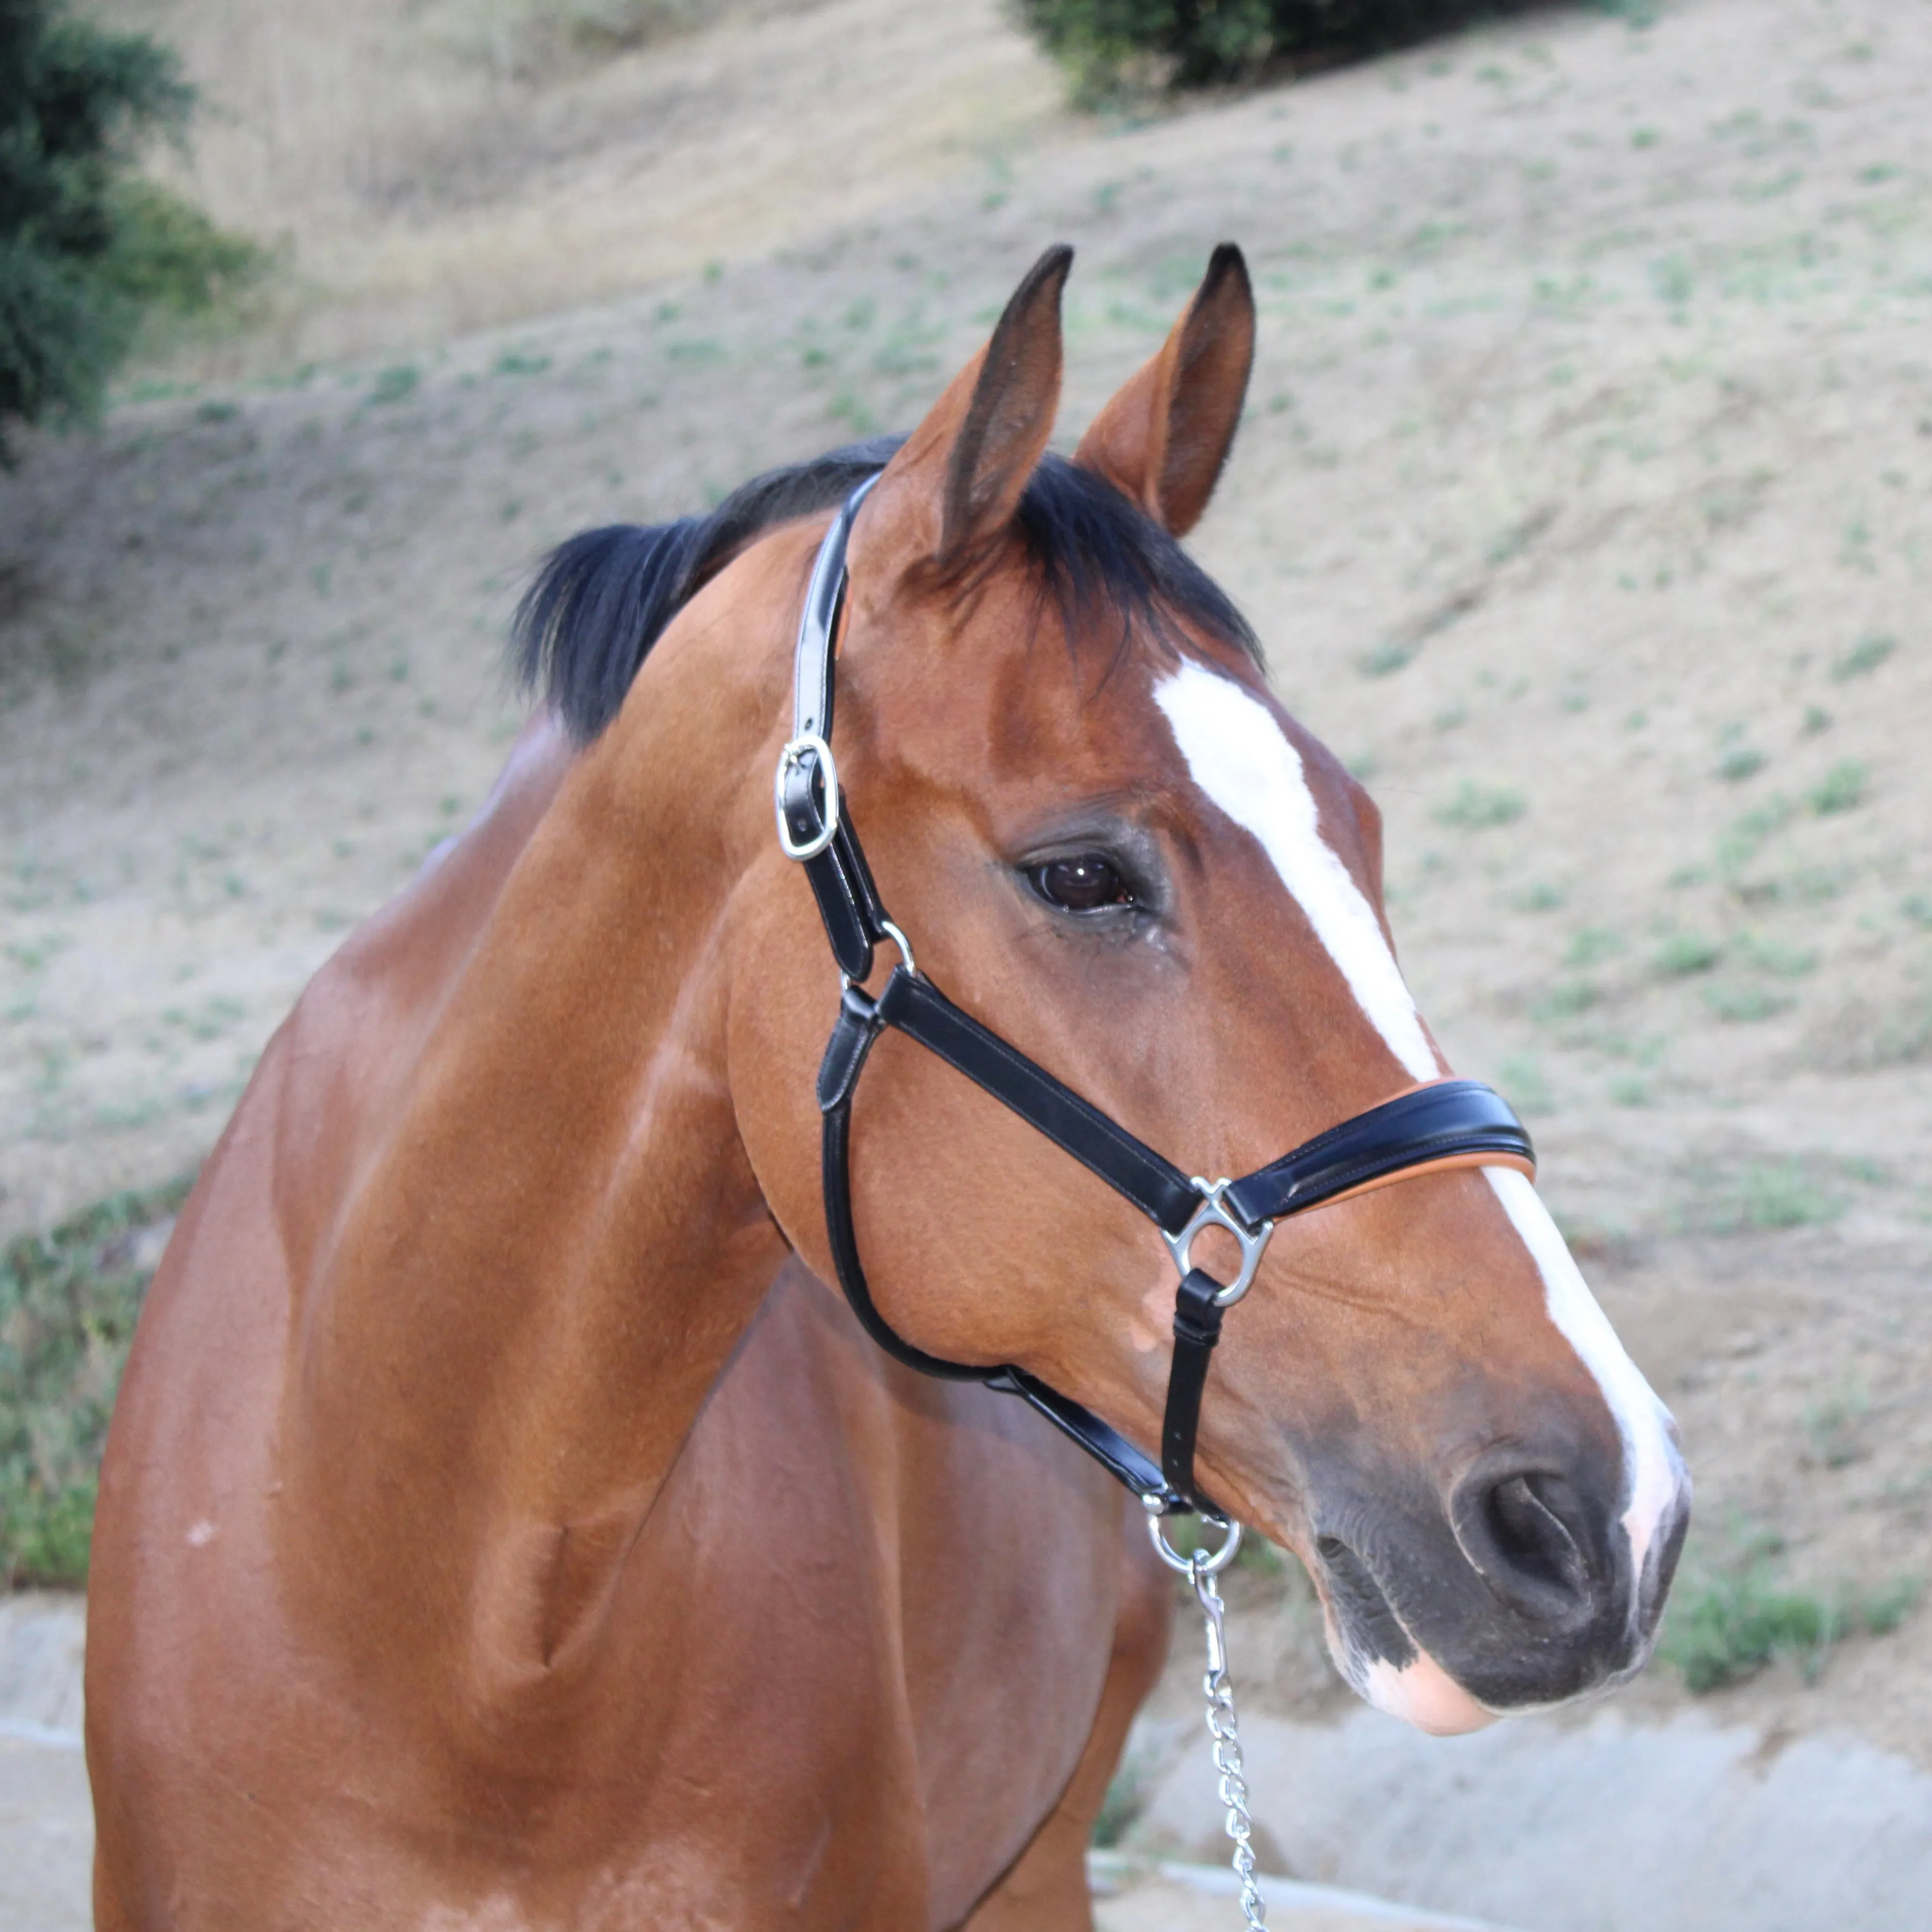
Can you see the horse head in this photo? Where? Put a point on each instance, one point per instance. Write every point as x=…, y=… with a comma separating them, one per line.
x=1111, y=844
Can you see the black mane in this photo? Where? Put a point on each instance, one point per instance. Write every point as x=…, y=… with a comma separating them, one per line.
x=601, y=600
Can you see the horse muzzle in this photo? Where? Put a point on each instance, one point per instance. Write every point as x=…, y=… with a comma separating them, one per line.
x=1521, y=1583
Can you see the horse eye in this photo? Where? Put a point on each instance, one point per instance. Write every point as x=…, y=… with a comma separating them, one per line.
x=1086, y=883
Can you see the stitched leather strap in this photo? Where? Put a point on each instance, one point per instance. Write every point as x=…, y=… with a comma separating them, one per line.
x=1453, y=1119
x=1159, y=1188
x=852, y=1037
x=814, y=689
x=1102, y=1442
x=1197, y=1328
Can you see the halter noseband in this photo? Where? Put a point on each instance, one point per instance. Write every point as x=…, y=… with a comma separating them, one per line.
x=1448, y=1123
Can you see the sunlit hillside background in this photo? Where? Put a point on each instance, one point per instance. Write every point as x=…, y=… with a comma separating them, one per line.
x=1584, y=502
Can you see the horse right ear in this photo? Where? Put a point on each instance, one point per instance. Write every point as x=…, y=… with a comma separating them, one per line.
x=955, y=483
x=1165, y=436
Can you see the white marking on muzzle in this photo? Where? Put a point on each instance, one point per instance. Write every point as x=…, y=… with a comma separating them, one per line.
x=1240, y=757
x=1655, y=1469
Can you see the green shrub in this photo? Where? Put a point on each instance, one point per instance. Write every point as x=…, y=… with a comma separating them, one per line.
x=89, y=251
x=1108, y=45
x=68, y=1300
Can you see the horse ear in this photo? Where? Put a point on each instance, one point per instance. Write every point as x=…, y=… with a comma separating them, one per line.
x=1165, y=436
x=957, y=480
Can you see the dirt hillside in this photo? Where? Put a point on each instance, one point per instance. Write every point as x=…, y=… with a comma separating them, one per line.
x=1584, y=504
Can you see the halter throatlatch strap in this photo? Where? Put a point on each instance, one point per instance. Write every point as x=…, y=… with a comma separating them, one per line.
x=1449, y=1124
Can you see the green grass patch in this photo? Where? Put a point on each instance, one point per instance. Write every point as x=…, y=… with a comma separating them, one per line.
x=1684, y=953
x=1740, y=1005
x=68, y=1300
x=1740, y=762
x=1741, y=841
x=1541, y=896
x=1782, y=962
x=1729, y=1620
x=1593, y=946
x=1867, y=655
x=1835, y=1428
x=1757, y=1196
x=1841, y=789
x=1526, y=1083
x=1387, y=658
x=393, y=385
x=1476, y=807
x=1566, y=1000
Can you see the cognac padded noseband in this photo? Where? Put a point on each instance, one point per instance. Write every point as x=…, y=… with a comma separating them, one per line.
x=1446, y=1124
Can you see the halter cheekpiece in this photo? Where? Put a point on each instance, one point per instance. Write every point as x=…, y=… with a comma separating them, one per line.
x=1458, y=1122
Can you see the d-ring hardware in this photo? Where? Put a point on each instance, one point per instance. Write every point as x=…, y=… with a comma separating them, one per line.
x=890, y=932
x=1199, y=1564
x=904, y=944
x=1212, y=1214
x=789, y=759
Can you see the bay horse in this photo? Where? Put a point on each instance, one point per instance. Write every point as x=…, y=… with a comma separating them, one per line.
x=502, y=1526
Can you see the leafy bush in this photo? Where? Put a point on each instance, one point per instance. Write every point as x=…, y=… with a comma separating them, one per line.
x=68, y=1303
x=88, y=248
x=1107, y=45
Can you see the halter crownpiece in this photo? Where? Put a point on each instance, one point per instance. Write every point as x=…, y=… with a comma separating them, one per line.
x=1447, y=1124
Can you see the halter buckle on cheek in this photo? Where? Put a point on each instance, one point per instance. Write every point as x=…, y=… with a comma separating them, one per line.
x=1213, y=1213
x=792, y=764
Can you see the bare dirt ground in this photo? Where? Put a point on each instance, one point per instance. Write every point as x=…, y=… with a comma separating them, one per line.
x=1584, y=504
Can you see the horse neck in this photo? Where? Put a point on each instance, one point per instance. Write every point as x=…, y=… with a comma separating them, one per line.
x=553, y=1237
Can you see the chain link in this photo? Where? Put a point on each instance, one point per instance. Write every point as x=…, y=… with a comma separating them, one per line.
x=1221, y=1728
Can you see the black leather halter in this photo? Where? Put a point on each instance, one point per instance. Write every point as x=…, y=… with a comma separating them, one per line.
x=1453, y=1121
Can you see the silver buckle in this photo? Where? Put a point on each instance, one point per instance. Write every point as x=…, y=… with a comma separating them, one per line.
x=792, y=757
x=1211, y=1214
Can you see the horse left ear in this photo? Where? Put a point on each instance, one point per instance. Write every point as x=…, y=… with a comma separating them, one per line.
x=1164, y=438
x=956, y=481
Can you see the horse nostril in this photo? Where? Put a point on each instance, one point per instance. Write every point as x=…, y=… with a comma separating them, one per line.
x=1514, y=1532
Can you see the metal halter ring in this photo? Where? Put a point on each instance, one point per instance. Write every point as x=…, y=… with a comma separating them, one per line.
x=1211, y=1214
x=904, y=944
x=789, y=759
x=898, y=939
x=1199, y=1564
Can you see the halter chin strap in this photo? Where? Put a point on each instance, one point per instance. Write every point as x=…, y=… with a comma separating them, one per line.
x=1448, y=1123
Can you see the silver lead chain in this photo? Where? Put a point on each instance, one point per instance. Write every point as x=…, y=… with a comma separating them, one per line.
x=1201, y=1568
x=1223, y=1728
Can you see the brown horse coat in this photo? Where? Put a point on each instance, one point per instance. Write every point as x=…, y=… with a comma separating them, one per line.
x=485, y=1540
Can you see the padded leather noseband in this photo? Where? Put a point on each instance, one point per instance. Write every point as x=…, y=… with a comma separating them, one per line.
x=1447, y=1124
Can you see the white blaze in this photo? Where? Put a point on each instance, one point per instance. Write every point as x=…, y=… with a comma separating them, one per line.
x=1656, y=1472
x=1238, y=755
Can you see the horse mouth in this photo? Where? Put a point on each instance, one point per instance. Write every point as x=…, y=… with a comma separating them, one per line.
x=1360, y=1614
